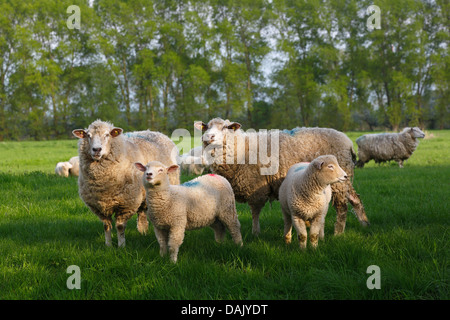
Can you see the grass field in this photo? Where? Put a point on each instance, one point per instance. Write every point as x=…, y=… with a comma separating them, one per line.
x=45, y=227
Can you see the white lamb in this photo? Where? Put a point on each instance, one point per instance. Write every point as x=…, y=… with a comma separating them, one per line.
x=204, y=201
x=305, y=195
x=66, y=168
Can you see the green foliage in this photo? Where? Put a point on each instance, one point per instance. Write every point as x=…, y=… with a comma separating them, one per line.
x=162, y=64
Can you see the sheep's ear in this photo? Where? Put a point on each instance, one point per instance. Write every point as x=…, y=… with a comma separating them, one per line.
x=79, y=133
x=115, y=132
x=200, y=126
x=140, y=166
x=319, y=164
x=172, y=168
x=235, y=126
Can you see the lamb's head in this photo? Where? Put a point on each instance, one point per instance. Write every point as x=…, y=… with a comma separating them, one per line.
x=415, y=132
x=62, y=168
x=155, y=173
x=214, y=133
x=98, y=138
x=328, y=169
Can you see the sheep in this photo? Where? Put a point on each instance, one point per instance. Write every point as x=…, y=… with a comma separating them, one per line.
x=108, y=182
x=383, y=147
x=193, y=162
x=305, y=195
x=296, y=145
x=71, y=167
x=204, y=201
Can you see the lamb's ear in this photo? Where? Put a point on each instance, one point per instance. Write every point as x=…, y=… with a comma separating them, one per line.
x=319, y=164
x=140, y=166
x=115, y=132
x=79, y=133
x=172, y=168
x=200, y=126
x=235, y=126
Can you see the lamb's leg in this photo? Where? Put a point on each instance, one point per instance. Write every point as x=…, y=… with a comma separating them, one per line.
x=400, y=163
x=219, y=230
x=256, y=210
x=163, y=238
x=316, y=226
x=358, y=207
x=300, y=227
x=322, y=224
x=142, y=222
x=287, y=226
x=176, y=237
x=231, y=222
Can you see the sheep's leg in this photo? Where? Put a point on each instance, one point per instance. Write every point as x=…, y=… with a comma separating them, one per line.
x=358, y=207
x=142, y=222
x=176, y=237
x=322, y=226
x=287, y=226
x=219, y=230
x=400, y=163
x=256, y=210
x=163, y=238
x=300, y=227
x=107, y=226
x=231, y=222
x=121, y=224
x=316, y=227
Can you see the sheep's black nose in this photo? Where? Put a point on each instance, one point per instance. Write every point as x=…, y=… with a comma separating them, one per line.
x=149, y=174
x=96, y=149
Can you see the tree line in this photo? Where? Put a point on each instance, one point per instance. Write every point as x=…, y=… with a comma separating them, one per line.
x=162, y=64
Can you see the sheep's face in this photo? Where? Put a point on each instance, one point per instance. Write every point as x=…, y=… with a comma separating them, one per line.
x=329, y=170
x=155, y=173
x=214, y=133
x=416, y=133
x=98, y=138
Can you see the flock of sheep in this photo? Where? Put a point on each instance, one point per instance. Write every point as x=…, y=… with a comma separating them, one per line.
x=120, y=174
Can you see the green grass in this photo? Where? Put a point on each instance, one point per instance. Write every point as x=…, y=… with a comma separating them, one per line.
x=45, y=227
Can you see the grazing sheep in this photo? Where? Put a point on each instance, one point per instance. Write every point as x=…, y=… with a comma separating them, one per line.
x=383, y=147
x=108, y=182
x=193, y=162
x=305, y=195
x=71, y=167
x=204, y=201
x=297, y=145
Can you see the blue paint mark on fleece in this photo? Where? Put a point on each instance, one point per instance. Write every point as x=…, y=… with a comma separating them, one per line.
x=300, y=168
x=290, y=132
x=134, y=135
x=190, y=183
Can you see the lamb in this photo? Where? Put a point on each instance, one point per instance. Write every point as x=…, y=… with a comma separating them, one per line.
x=204, y=201
x=71, y=167
x=383, y=147
x=293, y=146
x=305, y=195
x=108, y=182
x=193, y=162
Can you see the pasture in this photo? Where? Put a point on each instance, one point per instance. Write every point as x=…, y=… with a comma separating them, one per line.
x=45, y=227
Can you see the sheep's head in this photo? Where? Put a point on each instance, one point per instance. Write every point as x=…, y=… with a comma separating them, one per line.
x=215, y=131
x=329, y=170
x=155, y=173
x=416, y=132
x=98, y=137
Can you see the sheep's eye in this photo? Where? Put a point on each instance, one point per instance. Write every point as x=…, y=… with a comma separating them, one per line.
x=331, y=167
x=89, y=135
x=160, y=170
x=107, y=134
